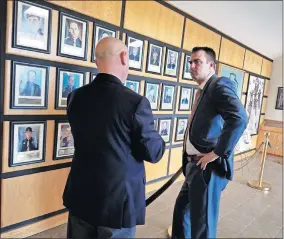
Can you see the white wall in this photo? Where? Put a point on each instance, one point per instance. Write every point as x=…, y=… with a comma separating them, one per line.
x=276, y=80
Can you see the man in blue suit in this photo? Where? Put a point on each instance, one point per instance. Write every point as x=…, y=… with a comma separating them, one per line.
x=113, y=131
x=217, y=122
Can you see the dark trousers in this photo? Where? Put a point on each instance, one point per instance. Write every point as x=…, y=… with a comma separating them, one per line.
x=197, y=205
x=79, y=229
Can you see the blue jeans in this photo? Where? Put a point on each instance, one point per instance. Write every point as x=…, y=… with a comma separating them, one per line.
x=79, y=229
x=197, y=205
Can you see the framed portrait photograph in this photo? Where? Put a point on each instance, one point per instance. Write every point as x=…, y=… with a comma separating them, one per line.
x=135, y=50
x=29, y=86
x=164, y=129
x=73, y=35
x=67, y=81
x=167, y=100
x=254, y=102
x=64, y=142
x=186, y=75
x=235, y=75
x=100, y=33
x=133, y=85
x=279, y=99
x=180, y=129
x=171, y=64
x=32, y=27
x=154, y=59
x=185, y=99
x=27, y=143
x=152, y=94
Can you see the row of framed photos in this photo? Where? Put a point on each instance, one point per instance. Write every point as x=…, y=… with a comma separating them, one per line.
x=29, y=86
x=28, y=139
x=167, y=97
x=32, y=31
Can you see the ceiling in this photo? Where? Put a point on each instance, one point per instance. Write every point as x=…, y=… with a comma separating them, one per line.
x=256, y=24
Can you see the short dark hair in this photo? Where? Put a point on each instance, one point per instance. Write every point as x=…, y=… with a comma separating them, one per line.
x=209, y=51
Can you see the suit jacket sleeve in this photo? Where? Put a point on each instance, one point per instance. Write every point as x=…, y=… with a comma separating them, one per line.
x=147, y=145
x=233, y=113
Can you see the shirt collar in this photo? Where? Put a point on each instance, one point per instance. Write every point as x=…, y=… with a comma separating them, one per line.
x=204, y=82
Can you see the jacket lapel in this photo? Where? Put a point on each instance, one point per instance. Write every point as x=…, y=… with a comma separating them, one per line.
x=200, y=97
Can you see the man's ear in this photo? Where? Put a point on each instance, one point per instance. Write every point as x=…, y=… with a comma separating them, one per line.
x=124, y=57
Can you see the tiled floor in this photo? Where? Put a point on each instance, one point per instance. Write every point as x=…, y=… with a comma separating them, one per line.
x=244, y=212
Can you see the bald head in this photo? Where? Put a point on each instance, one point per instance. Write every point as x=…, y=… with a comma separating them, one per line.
x=112, y=57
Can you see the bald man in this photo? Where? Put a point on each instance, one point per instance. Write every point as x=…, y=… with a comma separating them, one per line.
x=113, y=131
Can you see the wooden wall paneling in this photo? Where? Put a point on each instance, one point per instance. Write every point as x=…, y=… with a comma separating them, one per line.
x=245, y=84
x=158, y=170
x=197, y=35
x=175, y=160
x=252, y=62
x=264, y=104
x=51, y=95
x=244, y=155
x=154, y=20
x=174, y=133
x=108, y=11
x=32, y=195
x=53, y=55
x=35, y=228
x=231, y=53
x=243, y=99
x=254, y=141
x=154, y=186
x=261, y=119
x=266, y=87
x=48, y=153
x=266, y=68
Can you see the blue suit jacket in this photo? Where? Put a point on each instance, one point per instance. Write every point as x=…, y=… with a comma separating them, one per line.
x=113, y=131
x=219, y=121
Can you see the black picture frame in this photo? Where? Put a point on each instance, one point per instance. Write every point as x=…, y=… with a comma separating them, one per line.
x=162, y=97
x=15, y=28
x=136, y=82
x=148, y=59
x=158, y=93
x=55, y=156
x=160, y=120
x=59, y=49
x=94, y=41
x=12, y=142
x=184, y=68
x=92, y=75
x=141, y=55
x=246, y=101
x=190, y=98
x=57, y=106
x=13, y=85
x=177, y=126
x=166, y=63
x=278, y=99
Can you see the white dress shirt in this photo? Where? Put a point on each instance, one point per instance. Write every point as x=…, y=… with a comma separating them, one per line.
x=190, y=149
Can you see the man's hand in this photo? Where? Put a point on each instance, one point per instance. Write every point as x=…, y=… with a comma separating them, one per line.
x=207, y=158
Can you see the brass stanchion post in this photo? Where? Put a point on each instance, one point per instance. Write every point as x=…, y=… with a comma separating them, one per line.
x=259, y=184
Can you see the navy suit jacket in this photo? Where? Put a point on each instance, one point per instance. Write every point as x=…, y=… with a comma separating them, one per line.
x=113, y=131
x=219, y=121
